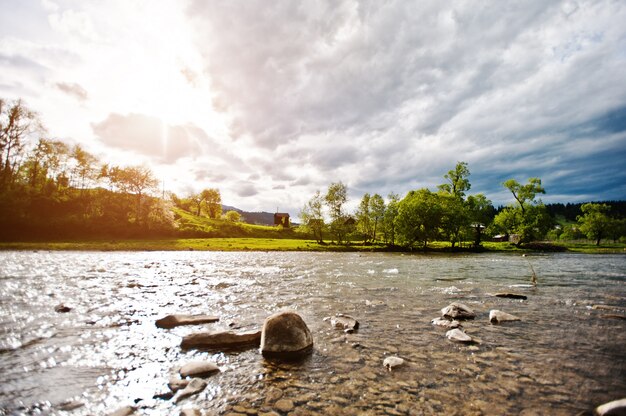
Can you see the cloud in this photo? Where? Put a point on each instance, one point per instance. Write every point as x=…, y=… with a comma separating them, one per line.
x=73, y=90
x=393, y=94
x=150, y=137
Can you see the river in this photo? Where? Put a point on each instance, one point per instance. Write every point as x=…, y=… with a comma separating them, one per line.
x=564, y=357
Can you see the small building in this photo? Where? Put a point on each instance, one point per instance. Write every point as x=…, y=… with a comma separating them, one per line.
x=281, y=218
x=500, y=238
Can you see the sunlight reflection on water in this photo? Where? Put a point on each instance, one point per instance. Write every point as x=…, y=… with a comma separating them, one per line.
x=107, y=352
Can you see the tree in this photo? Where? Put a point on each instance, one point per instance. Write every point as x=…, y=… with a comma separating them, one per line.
x=528, y=219
x=16, y=122
x=389, y=219
x=312, y=216
x=135, y=180
x=86, y=168
x=456, y=216
x=594, y=222
x=480, y=211
x=525, y=194
x=458, y=183
x=419, y=216
x=213, y=201
x=335, y=198
x=232, y=216
x=364, y=224
x=377, y=212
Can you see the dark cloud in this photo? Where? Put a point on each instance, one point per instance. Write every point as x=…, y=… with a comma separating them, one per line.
x=245, y=189
x=73, y=90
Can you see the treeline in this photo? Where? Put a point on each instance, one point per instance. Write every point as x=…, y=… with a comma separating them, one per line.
x=51, y=190
x=450, y=214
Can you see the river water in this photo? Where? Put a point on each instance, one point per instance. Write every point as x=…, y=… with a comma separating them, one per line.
x=563, y=357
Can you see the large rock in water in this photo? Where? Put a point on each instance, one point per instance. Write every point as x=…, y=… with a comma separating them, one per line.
x=221, y=340
x=496, y=317
x=457, y=310
x=285, y=336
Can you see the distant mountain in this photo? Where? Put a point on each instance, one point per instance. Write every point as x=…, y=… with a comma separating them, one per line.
x=260, y=218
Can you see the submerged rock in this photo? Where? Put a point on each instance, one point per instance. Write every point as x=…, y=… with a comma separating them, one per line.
x=176, y=384
x=458, y=336
x=510, y=295
x=457, y=310
x=195, y=386
x=285, y=335
x=344, y=322
x=198, y=369
x=171, y=321
x=215, y=340
x=614, y=408
x=496, y=317
x=61, y=308
x=446, y=323
x=392, y=362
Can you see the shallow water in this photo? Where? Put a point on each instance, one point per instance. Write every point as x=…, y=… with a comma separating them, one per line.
x=563, y=357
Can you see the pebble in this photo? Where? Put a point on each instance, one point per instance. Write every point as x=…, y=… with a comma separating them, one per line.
x=195, y=386
x=458, y=335
x=198, y=369
x=457, y=310
x=392, y=362
x=284, y=405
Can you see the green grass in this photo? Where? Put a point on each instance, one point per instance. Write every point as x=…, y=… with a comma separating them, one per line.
x=197, y=244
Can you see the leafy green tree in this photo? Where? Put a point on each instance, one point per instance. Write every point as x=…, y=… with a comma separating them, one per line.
x=363, y=217
x=419, y=217
x=134, y=180
x=389, y=219
x=595, y=222
x=480, y=212
x=457, y=181
x=377, y=212
x=213, y=201
x=232, y=216
x=335, y=199
x=312, y=216
x=528, y=218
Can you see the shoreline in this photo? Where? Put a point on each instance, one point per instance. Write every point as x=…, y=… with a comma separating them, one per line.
x=272, y=244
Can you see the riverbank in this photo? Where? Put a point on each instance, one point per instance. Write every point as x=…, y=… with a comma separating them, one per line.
x=285, y=244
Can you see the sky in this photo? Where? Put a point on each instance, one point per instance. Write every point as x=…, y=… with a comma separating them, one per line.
x=271, y=101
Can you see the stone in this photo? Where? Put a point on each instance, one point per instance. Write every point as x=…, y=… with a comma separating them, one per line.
x=344, y=322
x=496, y=317
x=607, y=308
x=392, y=362
x=124, y=411
x=195, y=386
x=510, y=295
x=190, y=412
x=176, y=384
x=284, y=405
x=285, y=335
x=457, y=310
x=61, y=308
x=198, y=369
x=221, y=340
x=614, y=408
x=458, y=336
x=446, y=323
x=172, y=321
